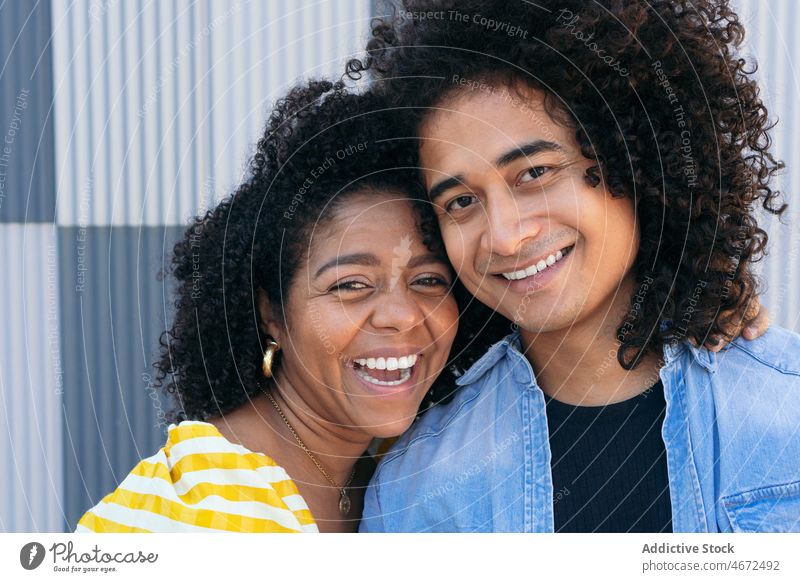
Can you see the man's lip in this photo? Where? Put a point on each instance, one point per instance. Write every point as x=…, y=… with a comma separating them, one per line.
x=523, y=266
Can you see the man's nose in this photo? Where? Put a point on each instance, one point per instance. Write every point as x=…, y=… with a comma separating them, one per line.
x=507, y=227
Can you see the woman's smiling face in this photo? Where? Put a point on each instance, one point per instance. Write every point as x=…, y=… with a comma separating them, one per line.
x=369, y=320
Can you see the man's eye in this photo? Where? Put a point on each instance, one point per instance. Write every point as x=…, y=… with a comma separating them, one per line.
x=460, y=202
x=532, y=174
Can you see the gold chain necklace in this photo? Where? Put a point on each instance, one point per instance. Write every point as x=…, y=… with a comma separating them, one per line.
x=344, y=499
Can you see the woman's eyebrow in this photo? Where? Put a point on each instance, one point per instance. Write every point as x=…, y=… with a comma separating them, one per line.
x=364, y=259
x=426, y=259
x=370, y=260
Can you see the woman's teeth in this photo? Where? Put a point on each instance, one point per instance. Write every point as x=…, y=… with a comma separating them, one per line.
x=387, y=363
x=400, y=366
x=538, y=267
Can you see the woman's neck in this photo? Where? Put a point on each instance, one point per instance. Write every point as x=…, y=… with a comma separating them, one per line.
x=336, y=447
x=259, y=427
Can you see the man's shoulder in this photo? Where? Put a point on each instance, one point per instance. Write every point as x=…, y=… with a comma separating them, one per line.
x=759, y=377
x=762, y=371
x=778, y=349
x=432, y=424
x=772, y=360
x=756, y=396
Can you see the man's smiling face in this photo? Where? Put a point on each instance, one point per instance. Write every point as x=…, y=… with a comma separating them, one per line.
x=527, y=234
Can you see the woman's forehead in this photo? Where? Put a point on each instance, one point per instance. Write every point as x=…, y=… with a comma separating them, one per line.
x=377, y=223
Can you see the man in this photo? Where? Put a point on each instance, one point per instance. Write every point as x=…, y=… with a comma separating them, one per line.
x=595, y=172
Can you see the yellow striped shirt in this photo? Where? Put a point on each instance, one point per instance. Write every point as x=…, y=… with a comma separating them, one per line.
x=201, y=482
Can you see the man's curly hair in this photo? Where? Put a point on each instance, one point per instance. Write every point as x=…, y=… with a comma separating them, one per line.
x=657, y=96
x=258, y=237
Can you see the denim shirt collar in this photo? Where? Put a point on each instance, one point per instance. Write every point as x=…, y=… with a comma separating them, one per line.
x=510, y=346
x=704, y=358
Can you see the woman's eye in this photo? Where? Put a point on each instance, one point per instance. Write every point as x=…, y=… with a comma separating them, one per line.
x=532, y=174
x=460, y=202
x=350, y=286
x=432, y=281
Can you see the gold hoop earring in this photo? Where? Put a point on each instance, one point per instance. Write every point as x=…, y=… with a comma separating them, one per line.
x=269, y=357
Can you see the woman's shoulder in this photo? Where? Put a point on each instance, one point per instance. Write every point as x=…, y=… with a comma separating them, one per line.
x=194, y=446
x=200, y=481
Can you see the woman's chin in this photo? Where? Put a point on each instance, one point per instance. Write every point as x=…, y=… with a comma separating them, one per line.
x=392, y=427
x=389, y=434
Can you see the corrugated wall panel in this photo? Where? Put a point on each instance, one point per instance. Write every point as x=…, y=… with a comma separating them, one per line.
x=158, y=99
x=114, y=310
x=26, y=131
x=773, y=41
x=31, y=383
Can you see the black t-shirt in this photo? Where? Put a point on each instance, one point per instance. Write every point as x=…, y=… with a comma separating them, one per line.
x=609, y=465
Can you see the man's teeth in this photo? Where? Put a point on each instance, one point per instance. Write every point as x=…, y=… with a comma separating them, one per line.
x=537, y=268
x=401, y=363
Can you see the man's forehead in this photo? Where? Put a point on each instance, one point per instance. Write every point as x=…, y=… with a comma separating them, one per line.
x=476, y=118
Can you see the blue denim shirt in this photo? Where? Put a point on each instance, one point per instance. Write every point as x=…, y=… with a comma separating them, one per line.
x=482, y=462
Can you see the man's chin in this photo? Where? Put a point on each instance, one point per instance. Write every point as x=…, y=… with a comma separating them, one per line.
x=545, y=321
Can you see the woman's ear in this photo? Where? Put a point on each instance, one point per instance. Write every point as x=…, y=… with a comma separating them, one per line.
x=268, y=322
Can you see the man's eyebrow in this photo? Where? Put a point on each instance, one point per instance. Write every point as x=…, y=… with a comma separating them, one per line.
x=364, y=259
x=528, y=149
x=443, y=186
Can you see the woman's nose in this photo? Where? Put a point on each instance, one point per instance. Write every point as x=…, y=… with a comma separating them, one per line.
x=397, y=310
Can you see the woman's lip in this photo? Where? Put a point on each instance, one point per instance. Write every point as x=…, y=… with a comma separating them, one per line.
x=389, y=352
x=535, y=282
x=385, y=391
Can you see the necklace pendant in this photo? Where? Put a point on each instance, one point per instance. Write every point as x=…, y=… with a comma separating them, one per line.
x=344, y=504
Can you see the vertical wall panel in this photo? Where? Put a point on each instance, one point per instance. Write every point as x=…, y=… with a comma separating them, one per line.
x=31, y=382
x=773, y=41
x=142, y=86
x=26, y=132
x=113, y=311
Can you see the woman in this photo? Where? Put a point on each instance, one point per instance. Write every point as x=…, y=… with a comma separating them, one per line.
x=312, y=317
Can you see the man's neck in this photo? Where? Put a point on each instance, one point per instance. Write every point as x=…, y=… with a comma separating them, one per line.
x=578, y=365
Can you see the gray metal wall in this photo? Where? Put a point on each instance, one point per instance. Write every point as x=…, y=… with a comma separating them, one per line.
x=773, y=40
x=31, y=465
x=125, y=117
